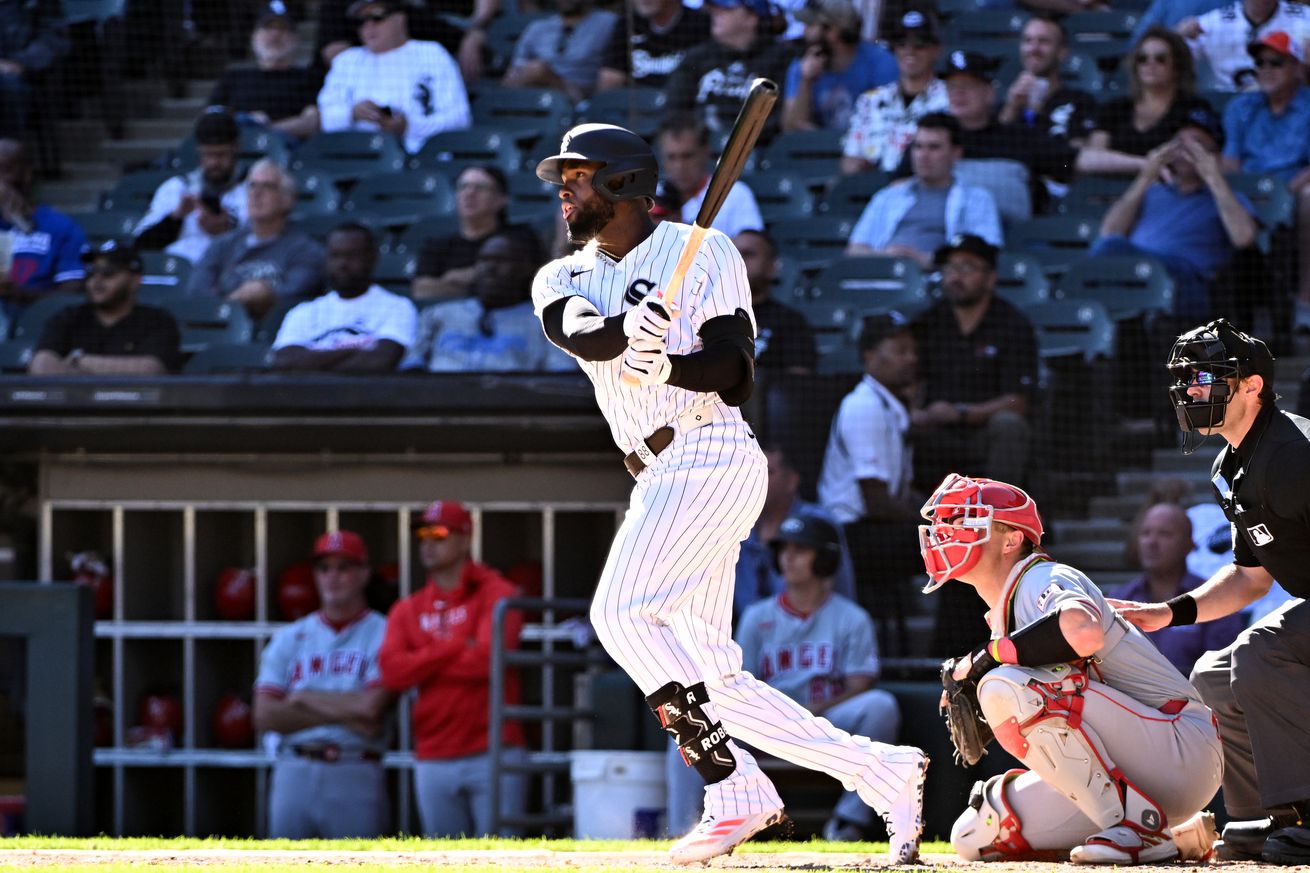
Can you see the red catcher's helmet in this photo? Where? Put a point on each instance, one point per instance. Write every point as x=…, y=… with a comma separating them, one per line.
x=232, y=725
x=162, y=710
x=234, y=594
x=296, y=594
x=960, y=515
x=91, y=570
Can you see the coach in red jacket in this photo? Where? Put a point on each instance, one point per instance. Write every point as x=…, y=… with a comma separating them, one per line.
x=439, y=641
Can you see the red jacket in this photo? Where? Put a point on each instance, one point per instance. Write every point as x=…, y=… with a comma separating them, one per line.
x=440, y=642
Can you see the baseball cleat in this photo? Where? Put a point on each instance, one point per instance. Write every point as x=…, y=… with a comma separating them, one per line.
x=904, y=817
x=1195, y=838
x=1124, y=846
x=713, y=837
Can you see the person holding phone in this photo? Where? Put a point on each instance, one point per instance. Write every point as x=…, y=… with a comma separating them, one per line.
x=835, y=68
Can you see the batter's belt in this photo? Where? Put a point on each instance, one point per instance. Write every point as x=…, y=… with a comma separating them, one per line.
x=644, y=455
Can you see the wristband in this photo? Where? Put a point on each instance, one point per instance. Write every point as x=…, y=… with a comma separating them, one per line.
x=1182, y=610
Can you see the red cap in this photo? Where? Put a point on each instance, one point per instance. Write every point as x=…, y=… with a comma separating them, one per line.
x=449, y=513
x=343, y=543
x=1279, y=41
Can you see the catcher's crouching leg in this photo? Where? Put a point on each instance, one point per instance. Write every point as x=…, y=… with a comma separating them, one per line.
x=991, y=829
x=1036, y=714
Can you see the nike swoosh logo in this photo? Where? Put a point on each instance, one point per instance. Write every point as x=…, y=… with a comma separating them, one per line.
x=573, y=274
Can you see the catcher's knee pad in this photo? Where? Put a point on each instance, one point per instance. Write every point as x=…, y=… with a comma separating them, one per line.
x=703, y=744
x=989, y=829
x=1036, y=715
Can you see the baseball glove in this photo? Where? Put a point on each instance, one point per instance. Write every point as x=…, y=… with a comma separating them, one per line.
x=970, y=732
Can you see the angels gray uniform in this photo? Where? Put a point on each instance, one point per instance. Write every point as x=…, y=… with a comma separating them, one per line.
x=327, y=780
x=1132, y=713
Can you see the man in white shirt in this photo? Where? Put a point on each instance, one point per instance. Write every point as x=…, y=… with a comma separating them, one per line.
x=356, y=327
x=1220, y=38
x=409, y=88
x=683, y=147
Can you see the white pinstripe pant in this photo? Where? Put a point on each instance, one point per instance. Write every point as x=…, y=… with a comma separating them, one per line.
x=663, y=608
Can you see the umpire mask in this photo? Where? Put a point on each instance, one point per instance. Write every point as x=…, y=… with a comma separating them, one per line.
x=1210, y=356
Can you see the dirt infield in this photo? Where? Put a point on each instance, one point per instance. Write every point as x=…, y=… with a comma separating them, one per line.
x=530, y=859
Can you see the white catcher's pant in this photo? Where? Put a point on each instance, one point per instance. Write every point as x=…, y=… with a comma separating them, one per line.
x=663, y=608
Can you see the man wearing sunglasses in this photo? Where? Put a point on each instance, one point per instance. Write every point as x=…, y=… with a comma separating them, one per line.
x=109, y=334
x=1223, y=384
x=439, y=641
x=409, y=88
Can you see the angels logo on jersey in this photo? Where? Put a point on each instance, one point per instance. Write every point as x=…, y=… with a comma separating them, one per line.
x=1260, y=535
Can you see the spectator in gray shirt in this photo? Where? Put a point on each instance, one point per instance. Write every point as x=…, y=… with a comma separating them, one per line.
x=563, y=51
x=264, y=260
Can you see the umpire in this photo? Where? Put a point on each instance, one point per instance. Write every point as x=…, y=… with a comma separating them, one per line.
x=1223, y=384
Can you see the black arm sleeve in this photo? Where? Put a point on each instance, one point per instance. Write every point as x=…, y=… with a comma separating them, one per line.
x=576, y=326
x=159, y=235
x=725, y=365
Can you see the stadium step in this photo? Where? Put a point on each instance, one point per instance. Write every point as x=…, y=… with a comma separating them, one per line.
x=1114, y=506
x=200, y=88
x=186, y=108
x=1093, y=556
x=1139, y=482
x=174, y=129
x=73, y=195
x=1087, y=530
x=79, y=138
x=134, y=151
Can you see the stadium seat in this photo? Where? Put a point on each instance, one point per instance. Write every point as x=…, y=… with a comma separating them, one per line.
x=32, y=319
x=815, y=241
x=1218, y=100
x=1020, y=280
x=636, y=108
x=319, y=225
x=1274, y=204
x=255, y=144
x=106, y=225
x=316, y=194
x=531, y=199
x=951, y=9
x=16, y=354
x=502, y=35
x=395, y=271
x=265, y=331
x=1054, y=240
x=411, y=238
x=402, y=198
x=1104, y=36
x=1091, y=196
x=809, y=154
x=850, y=194
x=781, y=196
x=163, y=275
x=523, y=113
x=133, y=192
x=850, y=286
x=1072, y=327
x=1127, y=286
x=452, y=150
x=230, y=358
x=207, y=320
x=1078, y=71
x=350, y=154
x=999, y=25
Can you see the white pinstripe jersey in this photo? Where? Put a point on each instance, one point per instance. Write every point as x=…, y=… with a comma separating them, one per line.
x=715, y=285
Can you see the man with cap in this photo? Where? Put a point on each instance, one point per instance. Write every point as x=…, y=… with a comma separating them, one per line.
x=1268, y=131
x=191, y=210
x=1191, y=219
x=439, y=641
x=914, y=217
x=110, y=334
x=275, y=93
x=884, y=119
x=320, y=694
x=835, y=68
x=715, y=75
x=564, y=50
x=1223, y=384
x=1220, y=38
x=409, y=88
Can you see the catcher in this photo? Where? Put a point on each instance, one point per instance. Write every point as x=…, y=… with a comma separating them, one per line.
x=1122, y=752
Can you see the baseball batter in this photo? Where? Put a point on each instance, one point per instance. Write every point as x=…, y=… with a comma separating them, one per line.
x=320, y=689
x=1122, y=752
x=663, y=606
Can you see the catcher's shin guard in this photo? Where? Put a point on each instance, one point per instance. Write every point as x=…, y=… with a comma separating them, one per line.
x=1036, y=714
x=703, y=744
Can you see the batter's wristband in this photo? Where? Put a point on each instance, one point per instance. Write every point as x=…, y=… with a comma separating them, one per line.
x=1182, y=610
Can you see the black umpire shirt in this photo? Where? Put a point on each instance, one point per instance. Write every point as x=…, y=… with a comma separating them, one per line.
x=785, y=340
x=1268, y=477
x=999, y=357
x=146, y=330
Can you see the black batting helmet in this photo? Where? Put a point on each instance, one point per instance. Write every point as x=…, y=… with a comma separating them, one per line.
x=629, y=168
x=815, y=533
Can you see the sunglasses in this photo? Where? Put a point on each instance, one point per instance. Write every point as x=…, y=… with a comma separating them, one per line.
x=432, y=532
x=374, y=17
x=1203, y=378
x=1273, y=63
x=1154, y=58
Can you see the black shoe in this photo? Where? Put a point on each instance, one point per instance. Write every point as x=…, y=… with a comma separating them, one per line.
x=1288, y=846
x=1244, y=840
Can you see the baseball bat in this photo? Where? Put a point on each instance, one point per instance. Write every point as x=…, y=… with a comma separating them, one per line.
x=741, y=140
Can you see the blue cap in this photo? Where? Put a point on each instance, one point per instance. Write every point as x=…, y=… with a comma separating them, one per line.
x=1205, y=119
x=762, y=8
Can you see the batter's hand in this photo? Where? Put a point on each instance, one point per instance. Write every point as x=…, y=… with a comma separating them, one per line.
x=646, y=362
x=1147, y=616
x=648, y=320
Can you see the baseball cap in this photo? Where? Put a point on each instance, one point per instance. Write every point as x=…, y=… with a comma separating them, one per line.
x=840, y=14
x=343, y=543
x=216, y=126
x=119, y=252
x=967, y=242
x=359, y=6
x=762, y=8
x=276, y=10
x=880, y=326
x=1205, y=119
x=966, y=63
x=1279, y=41
x=915, y=23
x=449, y=514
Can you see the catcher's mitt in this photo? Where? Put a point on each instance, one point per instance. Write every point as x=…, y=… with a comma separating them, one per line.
x=970, y=732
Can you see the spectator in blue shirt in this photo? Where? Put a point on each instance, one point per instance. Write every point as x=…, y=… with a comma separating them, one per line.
x=1193, y=224
x=1269, y=132
x=46, y=245
x=914, y=217
x=835, y=68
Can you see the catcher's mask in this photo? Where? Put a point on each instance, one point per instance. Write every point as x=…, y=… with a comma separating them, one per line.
x=960, y=515
x=1208, y=357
